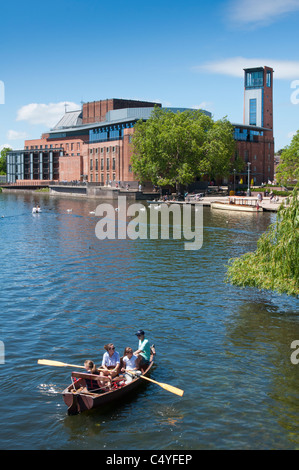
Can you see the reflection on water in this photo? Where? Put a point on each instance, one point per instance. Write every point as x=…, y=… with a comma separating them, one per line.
x=64, y=294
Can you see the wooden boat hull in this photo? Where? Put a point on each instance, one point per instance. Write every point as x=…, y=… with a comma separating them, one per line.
x=79, y=402
x=235, y=207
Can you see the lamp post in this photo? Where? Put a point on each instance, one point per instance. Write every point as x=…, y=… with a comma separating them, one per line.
x=234, y=170
x=248, y=190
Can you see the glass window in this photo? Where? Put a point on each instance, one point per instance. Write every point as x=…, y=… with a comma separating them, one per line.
x=254, y=79
x=252, y=112
x=268, y=78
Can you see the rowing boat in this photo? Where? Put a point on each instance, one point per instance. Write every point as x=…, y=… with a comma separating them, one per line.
x=78, y=400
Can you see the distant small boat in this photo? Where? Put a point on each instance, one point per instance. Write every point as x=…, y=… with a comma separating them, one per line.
x=238, y=204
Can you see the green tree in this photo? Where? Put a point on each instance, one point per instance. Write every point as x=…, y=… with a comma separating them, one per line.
x=3, y=154
x=288, y=168
x=274, y=265
x=175, y=148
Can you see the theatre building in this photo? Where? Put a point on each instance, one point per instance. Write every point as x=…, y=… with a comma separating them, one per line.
x=94, y=144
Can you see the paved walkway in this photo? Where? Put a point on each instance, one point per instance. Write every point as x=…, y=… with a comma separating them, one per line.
x=266, y=204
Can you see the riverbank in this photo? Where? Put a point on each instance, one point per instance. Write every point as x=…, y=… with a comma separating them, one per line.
x=91, y=191
x=266, y=204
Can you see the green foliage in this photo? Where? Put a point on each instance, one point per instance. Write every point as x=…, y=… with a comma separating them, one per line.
x=175, y=148
x=288, y=168
x=3, y=154
x=274, y=265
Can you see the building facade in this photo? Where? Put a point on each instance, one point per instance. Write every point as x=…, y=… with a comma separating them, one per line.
x=94, y=144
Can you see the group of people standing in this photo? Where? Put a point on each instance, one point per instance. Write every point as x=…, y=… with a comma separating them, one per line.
x=113, y=365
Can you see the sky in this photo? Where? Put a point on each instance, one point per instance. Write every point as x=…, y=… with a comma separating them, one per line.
x=56, y=55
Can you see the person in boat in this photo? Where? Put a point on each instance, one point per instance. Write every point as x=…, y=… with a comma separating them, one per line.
x=110, y=362
x=130, y=364
x=89, y=384
x=144, y=350
x=129, y=360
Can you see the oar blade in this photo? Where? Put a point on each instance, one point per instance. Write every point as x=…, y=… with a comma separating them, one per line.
x=170, y=388
x=47, y=362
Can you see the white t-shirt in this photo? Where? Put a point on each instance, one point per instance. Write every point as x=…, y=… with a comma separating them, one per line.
x=109, y=361
x=130, y=363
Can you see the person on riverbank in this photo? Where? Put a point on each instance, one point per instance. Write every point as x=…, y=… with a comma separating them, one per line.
x=110, y=362
x=144, y=350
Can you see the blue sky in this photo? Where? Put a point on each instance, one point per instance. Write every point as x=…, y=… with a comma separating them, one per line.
x=182, y=54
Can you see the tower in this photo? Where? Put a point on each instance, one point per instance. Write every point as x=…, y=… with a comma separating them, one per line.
x=258, y=97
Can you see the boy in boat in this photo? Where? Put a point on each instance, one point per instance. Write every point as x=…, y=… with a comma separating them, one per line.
x=144, y=350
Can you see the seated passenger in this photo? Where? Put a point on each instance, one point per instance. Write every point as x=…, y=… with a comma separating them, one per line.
x=88, y=384
x=129, y=360
x=110, y=362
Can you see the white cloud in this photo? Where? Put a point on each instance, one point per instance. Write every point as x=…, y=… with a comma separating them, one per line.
x=15, y=135
x=206, y=105
x=233, y=66
x=5, y=146
x=260, y=11
x=46, y=114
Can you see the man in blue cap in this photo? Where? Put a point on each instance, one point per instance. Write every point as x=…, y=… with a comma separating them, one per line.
x=144, y=351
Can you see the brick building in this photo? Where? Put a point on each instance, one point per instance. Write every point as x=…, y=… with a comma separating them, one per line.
x=93, y=144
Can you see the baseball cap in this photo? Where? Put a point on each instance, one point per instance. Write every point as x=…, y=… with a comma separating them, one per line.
x=139, y=332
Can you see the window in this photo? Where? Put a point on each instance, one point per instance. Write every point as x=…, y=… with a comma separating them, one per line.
x=91, y=164
x=254, y=79
x=268, y=78
x=108, y=164
x=97, y=164
x=252, y=112
x=113, y=164
x=102, y=164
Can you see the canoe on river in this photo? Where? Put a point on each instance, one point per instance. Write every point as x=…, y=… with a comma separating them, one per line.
x=79, y=399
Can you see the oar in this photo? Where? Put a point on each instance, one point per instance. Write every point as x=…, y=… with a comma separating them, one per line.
x=167, y=387
x=47, y=362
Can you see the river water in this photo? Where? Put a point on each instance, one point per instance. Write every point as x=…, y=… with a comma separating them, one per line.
x=65, y=293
